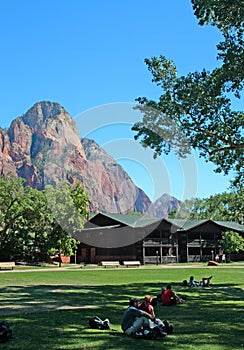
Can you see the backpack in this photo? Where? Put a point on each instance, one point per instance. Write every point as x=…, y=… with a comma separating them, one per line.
x=5, y=331
x=96, y=323
x=168, y=329
x=157, y=333
x=165, y=326
x=149, y=334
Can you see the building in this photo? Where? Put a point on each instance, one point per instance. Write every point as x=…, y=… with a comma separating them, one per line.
x=152, y=240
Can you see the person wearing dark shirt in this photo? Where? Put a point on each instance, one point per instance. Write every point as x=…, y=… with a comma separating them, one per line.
x=134, y=319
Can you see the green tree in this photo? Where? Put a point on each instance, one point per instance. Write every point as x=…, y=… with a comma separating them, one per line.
x=27, y=237
x=232, y=242
x=14, y=204
x=198, y=105
x=227, y=206
x=25, y=220
x=68, y=204
x=227, y=16
x=60, y=242
x=69, y=207
x=36, y=224
x=80, y=199
x=185, y=210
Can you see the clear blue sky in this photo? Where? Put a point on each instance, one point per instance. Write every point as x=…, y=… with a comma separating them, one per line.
x=89, y=54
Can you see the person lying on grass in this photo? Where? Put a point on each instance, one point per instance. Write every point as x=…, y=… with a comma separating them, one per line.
x=170, y=298
x=205, y=282
x=135, y=320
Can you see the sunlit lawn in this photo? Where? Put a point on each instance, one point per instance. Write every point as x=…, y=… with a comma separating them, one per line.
x=51, y=309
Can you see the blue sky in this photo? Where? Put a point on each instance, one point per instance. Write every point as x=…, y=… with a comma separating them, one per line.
x=89, y=56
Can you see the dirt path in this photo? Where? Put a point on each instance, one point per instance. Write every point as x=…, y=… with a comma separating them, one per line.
x=87, y=268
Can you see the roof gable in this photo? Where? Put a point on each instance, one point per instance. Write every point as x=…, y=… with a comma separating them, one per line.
x=122, y=219
x=135, y=221
x=233, y=226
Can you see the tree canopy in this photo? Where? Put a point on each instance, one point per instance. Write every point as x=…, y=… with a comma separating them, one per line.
x=227, y=16
x=226, y=206
x=232, y=242
x=195, y=111
x=30, y=228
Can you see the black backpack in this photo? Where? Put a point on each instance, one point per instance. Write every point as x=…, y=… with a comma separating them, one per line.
x=96, y=323
x=169, y=328
x=165, y=326
x=5, y=331
x=157, y=333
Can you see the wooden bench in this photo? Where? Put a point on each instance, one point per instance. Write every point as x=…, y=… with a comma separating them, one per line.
x=132, y=263
x=7, y=264
x=110, y=263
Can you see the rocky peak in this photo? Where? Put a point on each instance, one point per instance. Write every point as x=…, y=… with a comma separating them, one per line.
x=41, y=111
x=165, y=204
x=43, y=146
x=93, y=150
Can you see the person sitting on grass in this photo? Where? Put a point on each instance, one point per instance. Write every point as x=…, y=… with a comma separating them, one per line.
x=147, y=306
x=170, y=298
x=159, y=296
x=205, y=282
x=134, y=319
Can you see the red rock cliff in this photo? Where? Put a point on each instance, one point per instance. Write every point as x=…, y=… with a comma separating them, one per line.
x=43, y=146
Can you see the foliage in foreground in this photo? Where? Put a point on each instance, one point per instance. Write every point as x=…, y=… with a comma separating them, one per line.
x=195, y=110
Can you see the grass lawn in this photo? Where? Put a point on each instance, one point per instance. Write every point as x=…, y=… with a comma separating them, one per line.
x=51, y=309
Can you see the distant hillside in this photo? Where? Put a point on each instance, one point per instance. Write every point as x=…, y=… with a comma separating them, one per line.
x=165, y=204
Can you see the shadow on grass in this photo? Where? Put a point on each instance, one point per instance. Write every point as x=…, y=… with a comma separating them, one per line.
x=56, y=317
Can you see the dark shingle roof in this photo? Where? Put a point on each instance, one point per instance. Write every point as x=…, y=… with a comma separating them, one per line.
x=135, y=221
x=132, y=220
x=186, y=224
x=231, y=225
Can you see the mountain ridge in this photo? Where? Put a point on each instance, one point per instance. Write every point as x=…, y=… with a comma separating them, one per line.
x=43, y=146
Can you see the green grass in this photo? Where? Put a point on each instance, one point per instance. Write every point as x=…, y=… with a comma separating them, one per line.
x=51, y=309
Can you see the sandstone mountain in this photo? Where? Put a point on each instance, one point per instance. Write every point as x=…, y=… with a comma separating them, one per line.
x=43, y=146
x=165, y=204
